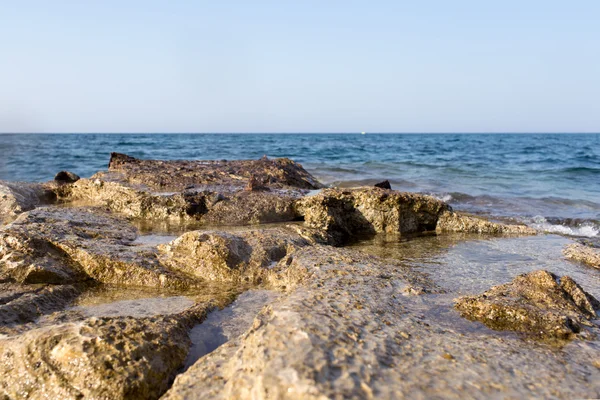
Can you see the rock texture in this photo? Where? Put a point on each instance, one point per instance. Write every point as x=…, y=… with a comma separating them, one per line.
x=583, y=253
x=350, y=331
x=100, y=358
x=24, y=304
x=343, y=213
x=250, y=256
x=64, y=245
x=18, y=197
x=455, y=222
x=539, y=303
x=214, y=192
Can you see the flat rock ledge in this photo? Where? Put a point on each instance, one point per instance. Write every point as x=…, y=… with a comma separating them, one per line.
x=539, y=303
x=212, y=192
x=583, y=253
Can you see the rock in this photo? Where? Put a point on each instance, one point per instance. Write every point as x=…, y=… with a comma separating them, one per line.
x=346, y=332
x=65, y=245
x=539, y=303
x=211, y=192
x=384, y=185
x=18, y=197
x=102, y=358
x=450, y=221
x=66, y=177
x=250, y=256
x=23, y=304
x=254, y=185
x=177, y=175
x=583, y=253
x=343, y=214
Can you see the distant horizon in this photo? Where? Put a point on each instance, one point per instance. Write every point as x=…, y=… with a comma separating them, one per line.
x=299, y=133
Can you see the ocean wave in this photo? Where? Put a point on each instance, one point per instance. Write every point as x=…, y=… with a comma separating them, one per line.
x=586, y=228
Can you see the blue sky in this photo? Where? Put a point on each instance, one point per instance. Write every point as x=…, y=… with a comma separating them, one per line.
x=299, y=66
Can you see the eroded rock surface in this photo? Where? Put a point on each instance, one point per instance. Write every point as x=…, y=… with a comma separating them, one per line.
x=18, y=197
x=456, y=222
x=343, y=213
x=213, y=192
x=64, y=245
x=539, y=303
x=100, y=358
x=582, y=252
x=350, y=331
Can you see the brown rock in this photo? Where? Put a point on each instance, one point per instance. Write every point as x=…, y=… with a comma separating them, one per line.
x=450, y=221
x=343, y=214
x=18, y=197
x=582, y=253
x=66, y=177
x=102, y=358
x=539, y=303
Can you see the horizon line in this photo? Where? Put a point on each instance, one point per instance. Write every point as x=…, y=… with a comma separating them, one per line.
x=306, y=133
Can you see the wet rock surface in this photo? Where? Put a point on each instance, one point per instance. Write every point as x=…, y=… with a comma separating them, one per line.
x=18, y=197
x=343, y=213
x=584, y=252
x=455, y=222
x=539, y=303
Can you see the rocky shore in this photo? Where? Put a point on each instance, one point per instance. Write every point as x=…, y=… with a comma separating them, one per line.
x=93, y=307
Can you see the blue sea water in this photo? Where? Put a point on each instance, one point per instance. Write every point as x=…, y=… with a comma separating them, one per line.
x=550, y=181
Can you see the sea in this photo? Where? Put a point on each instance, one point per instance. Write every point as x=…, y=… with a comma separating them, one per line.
x=548, y=181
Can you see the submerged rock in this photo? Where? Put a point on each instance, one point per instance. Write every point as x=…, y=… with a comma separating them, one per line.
x=343, y=213
x=455, y=222
x=539, y=303
x=102, y=358
x=589, y=255
x=18, y=197
x=210, y=191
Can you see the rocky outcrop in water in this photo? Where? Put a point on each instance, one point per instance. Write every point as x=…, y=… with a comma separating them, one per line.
x=341, y=214
x=455, y=222
x=539, y=303
x=212, y=192
x=583, y=252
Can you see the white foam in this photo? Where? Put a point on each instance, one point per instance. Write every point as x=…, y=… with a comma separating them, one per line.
x=588, y=230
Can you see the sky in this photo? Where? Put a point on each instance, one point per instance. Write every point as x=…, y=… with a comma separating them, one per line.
x=299, y=66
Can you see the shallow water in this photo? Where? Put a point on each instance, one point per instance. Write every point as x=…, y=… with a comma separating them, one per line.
x=471, y=264
x=226, y=324
x=529, y=177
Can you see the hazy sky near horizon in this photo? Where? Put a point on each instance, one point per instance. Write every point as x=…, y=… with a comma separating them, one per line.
x=299, y=66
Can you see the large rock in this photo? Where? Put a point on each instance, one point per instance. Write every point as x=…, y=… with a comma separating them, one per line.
x=539, y=303
x=212, y=192
x=63, y=245
x=99, y=358
x=343, y=213
x=250, y=256
x=584, y=253
x=18, y=197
